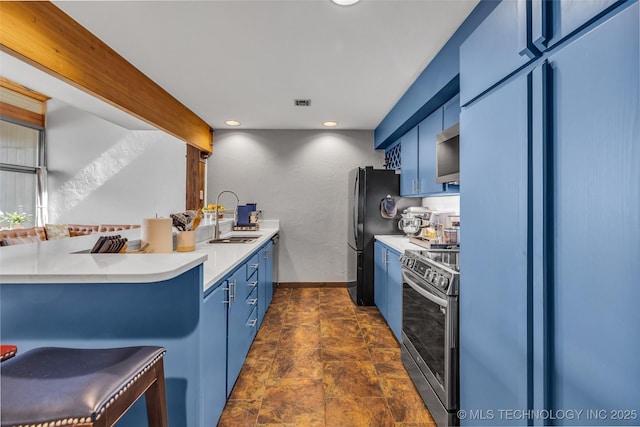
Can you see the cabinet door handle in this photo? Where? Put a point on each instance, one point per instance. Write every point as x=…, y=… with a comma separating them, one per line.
x=266, y=254
x=525, y=47
x=541, y=23
x=232, y=296
x=228, y=295
x=253, y=301
x=253, y=284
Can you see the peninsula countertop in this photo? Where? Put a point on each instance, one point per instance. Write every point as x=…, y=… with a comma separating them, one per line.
x=67, y=261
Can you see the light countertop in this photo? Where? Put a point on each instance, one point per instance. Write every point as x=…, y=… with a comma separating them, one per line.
x=58, y=261
x=223, y=258
x=399, y=242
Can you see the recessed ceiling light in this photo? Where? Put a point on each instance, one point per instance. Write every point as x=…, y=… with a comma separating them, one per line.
x=345, y=2
x=330, y=124
x=232, y=123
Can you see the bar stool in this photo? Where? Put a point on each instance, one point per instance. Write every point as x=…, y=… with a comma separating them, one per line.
x=52, y=386
x=7, y=351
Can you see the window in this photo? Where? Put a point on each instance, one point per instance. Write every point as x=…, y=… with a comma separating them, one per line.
x=22, y=153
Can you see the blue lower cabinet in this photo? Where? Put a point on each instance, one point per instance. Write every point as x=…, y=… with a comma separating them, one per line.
x=394, y=293
x=247, y=310
x=238, y=335
x=265, y=280
x=388, y=286
x=99, y=315
x=214, y=354
x=380, y=277
x=268, y=273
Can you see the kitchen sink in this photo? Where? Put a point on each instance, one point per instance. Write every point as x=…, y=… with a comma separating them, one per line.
x=236, y=239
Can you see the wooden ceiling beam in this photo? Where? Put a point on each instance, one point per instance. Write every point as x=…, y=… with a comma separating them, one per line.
x=42, y=35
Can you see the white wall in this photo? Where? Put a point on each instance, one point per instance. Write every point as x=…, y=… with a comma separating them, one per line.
x=443, y=203
x=100, y=172
x=300, y=178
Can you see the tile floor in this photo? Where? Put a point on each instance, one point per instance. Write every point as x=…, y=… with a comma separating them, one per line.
x=319, y=360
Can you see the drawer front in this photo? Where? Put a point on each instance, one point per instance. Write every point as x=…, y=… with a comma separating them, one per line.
x=252, y=324
x=252, y=299
x=247, y=287
x=248, y=303
x=252, y=266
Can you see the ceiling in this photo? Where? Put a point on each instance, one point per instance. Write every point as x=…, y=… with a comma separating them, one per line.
x=248, y=60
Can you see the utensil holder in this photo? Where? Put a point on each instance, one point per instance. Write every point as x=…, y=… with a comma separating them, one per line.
x=186, y=241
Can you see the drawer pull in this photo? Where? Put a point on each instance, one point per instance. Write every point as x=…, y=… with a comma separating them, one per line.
x=253, y=301
x=252, y=323
x=253, y=284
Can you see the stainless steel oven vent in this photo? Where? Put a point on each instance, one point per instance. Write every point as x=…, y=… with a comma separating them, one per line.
x=302, y=102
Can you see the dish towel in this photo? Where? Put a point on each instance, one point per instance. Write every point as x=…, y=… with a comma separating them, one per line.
x=388, y=208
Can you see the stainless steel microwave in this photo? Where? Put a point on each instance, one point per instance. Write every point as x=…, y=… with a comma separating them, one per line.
x=448, y=155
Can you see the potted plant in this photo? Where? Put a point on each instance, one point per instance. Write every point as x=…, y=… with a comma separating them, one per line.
x=15, y=219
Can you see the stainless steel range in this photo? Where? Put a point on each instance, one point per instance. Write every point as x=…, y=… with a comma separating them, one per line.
x=431, y=280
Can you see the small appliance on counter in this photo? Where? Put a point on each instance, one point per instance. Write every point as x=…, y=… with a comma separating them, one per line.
x=414, y=220
x=247, y=218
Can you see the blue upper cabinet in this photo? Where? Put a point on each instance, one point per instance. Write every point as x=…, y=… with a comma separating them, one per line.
x=427, y=131
x=516, y=32
x=418, y=153
x=451, y=112
x=500, y=45
x=409, y=163
x=553, y=21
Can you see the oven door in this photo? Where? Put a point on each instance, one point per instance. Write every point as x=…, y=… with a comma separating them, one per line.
x=429, y=324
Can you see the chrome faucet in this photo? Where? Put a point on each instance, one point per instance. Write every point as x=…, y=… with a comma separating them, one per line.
x=216, y=228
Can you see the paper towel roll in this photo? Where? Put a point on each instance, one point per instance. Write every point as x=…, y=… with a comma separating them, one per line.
x=157, y=232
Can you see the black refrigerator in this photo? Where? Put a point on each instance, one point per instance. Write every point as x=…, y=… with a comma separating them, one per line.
x=368, y=187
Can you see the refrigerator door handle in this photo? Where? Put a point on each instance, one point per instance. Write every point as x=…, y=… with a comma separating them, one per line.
x=355, y=209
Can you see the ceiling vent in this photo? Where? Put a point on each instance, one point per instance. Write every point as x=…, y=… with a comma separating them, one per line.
x=302, y=102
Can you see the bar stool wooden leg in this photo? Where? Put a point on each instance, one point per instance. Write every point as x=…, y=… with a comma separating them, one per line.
x=155, y=398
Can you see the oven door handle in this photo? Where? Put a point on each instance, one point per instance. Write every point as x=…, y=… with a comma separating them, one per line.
x=428, y=295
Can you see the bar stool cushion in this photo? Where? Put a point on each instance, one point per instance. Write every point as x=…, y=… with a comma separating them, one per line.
x=66, y=385
x=7, y=351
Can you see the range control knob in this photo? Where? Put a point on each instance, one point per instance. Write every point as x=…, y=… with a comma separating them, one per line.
x=445, y=282
x=438, y=281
